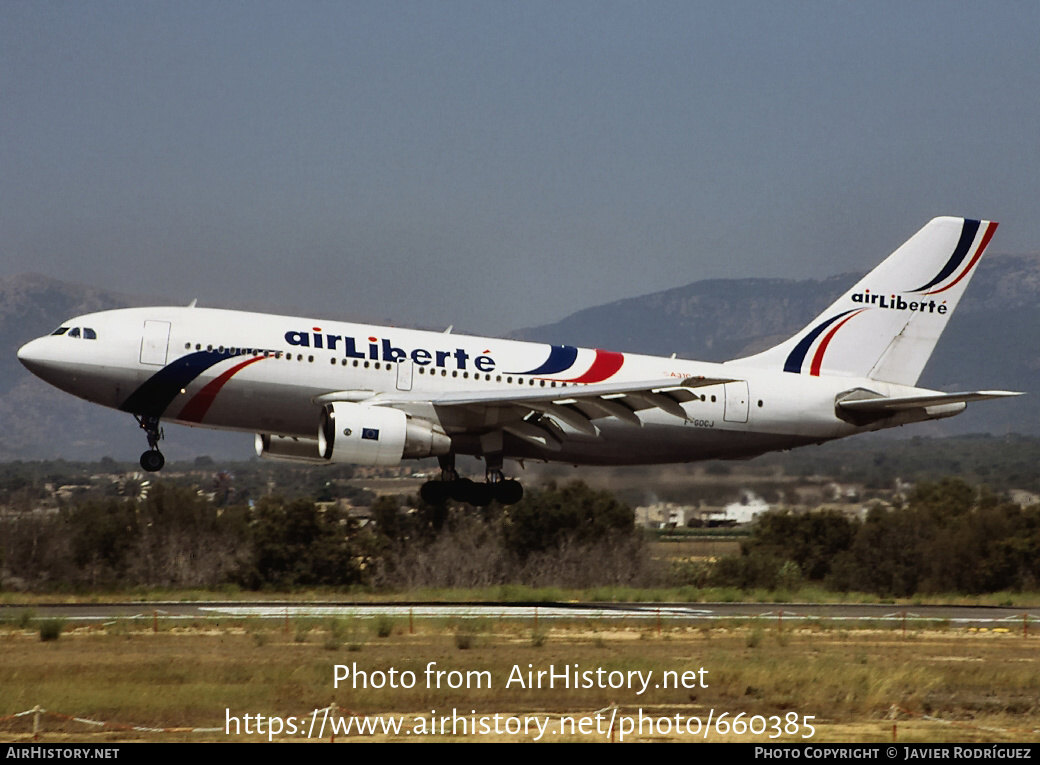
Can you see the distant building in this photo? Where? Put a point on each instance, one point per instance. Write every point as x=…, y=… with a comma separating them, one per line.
x=1023, y=498
x=746, y=509
x=670, y=515
x=663, y=515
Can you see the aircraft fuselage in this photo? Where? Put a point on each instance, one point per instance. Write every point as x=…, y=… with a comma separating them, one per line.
x=262, y=373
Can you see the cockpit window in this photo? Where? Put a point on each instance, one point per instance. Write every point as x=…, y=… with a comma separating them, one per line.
x=87, y=332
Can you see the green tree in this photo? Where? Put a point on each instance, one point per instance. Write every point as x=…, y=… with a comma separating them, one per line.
x=297, y=543
x=810, y=540
x=102, y=534
x=544, y=519
x=185, y=539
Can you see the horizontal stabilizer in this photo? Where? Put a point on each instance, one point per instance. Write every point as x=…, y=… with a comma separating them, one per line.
x=882, y=405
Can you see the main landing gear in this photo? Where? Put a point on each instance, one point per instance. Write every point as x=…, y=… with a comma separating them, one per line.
x=151, y=460
x=449, y=486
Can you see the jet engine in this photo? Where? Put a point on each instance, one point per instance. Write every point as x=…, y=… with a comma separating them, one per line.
x=361, y=434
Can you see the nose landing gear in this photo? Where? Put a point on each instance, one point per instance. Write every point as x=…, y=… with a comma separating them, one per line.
x=151, y=460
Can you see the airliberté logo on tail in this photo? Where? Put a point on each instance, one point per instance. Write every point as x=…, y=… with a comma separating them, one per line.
x=896, y=302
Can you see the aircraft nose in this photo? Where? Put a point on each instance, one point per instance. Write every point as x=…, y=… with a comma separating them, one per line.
x=33, y=356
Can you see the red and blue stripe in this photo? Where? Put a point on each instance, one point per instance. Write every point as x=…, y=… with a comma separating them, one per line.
x=563, y=357
x=154, y=396
x=969, y=232
x=796, y=358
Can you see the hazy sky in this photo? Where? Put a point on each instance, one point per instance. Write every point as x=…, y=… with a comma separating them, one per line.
x=501, y=164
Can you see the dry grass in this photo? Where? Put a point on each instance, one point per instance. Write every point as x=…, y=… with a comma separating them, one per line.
x=856, y=683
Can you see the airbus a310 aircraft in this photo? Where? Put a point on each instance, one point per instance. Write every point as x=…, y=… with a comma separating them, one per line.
x=322, y=391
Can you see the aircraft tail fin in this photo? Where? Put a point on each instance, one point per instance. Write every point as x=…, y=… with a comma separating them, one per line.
x=887, y=325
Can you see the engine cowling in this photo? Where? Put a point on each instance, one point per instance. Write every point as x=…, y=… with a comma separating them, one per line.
x=361, y=434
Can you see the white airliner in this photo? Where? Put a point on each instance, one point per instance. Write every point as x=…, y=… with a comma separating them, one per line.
x=323, y=391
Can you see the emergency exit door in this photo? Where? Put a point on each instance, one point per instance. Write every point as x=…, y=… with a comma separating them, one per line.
x=736, y=401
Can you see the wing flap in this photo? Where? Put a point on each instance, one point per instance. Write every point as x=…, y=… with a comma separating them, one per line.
x=569, y=415
x=679, y=390
x=539, y=415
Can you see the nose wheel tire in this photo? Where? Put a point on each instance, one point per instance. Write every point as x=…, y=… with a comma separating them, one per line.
x=153, y=460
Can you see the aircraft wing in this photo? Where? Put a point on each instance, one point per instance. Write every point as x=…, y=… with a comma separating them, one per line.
x=536, y=414
x=882, y=405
